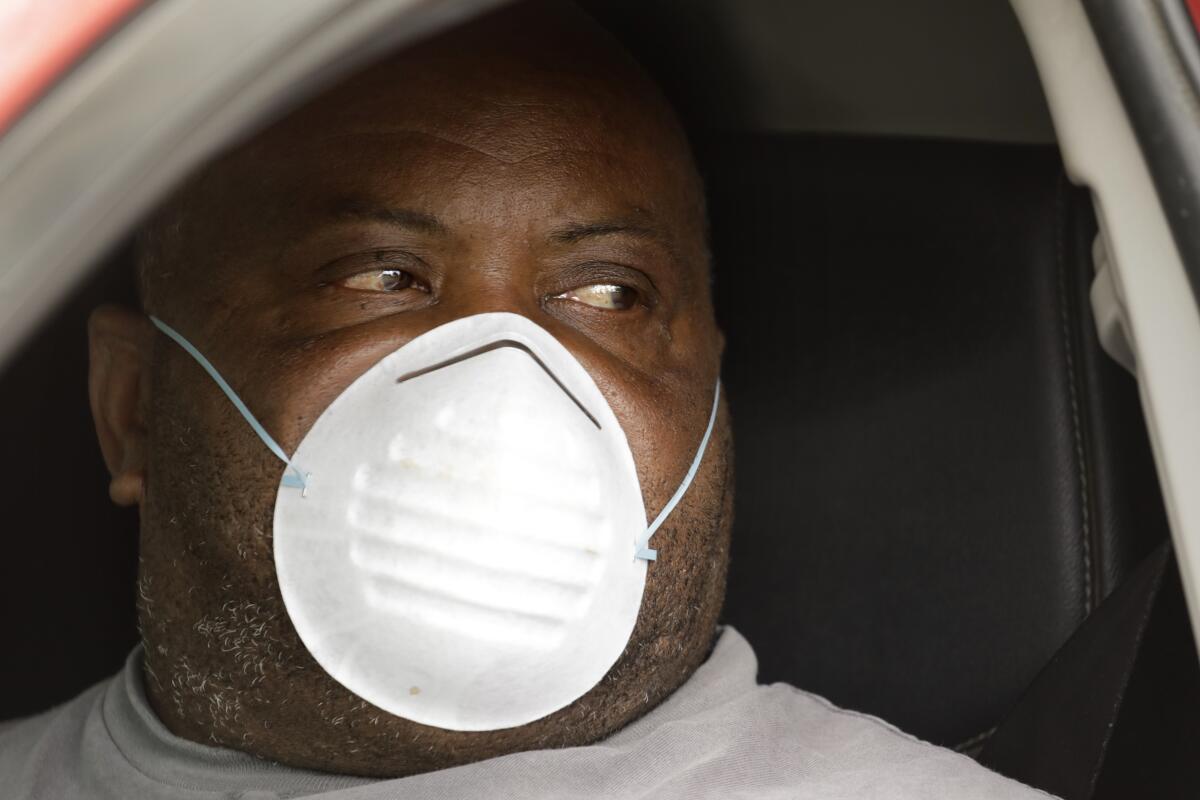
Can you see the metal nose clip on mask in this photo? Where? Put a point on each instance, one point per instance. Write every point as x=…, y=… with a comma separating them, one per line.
x=460, y=539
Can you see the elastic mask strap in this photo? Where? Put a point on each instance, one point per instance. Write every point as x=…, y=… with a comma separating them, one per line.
x=295, y=479
x=643, y=544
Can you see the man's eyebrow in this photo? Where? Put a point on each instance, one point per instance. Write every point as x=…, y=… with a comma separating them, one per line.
x=575, y=232
x=404, y=218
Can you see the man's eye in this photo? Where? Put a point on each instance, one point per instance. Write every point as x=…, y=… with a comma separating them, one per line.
x=379, y=280
x=609, y=296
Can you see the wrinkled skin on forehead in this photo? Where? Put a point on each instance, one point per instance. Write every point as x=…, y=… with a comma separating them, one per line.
x=515, y=164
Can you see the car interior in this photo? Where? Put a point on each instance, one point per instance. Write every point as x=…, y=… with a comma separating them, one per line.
x=947, y=508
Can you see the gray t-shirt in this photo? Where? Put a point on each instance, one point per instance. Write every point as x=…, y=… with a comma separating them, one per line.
x=720, y=735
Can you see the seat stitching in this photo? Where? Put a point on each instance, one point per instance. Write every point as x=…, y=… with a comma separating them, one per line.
x=967, y=744
x=1076, y=430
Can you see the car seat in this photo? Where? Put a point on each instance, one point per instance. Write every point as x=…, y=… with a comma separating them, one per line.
x=939, y=472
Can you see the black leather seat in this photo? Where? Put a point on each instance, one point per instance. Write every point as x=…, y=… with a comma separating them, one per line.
x=939, y=474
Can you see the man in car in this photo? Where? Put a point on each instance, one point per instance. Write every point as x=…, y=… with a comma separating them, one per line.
x=519, y=164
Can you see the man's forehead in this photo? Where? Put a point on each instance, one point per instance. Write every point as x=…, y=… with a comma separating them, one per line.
x=457, y=183
x=548, y=146
x=519, y=112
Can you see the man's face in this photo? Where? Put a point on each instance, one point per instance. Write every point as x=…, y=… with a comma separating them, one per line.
x=463, y=177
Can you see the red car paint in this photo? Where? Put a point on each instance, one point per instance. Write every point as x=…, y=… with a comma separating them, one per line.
x=41, y=39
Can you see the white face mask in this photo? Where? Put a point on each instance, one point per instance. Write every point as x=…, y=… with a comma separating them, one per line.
x=460, y=538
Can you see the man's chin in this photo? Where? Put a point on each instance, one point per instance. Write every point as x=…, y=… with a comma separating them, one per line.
x=296, y=715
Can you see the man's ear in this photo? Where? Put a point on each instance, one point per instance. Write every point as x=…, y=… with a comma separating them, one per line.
x=120, y=343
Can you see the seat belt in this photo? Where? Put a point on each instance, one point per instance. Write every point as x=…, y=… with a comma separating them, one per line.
x=1116, y=712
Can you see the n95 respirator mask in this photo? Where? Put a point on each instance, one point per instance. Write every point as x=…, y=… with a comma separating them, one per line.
x=460, y=538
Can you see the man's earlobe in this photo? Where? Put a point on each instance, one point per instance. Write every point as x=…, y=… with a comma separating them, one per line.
x=120, y=342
